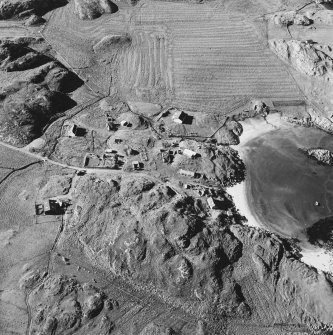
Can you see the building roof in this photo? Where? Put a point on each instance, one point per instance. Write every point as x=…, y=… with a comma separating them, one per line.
x=179, y=115
x=186, y=172
x=189, y=152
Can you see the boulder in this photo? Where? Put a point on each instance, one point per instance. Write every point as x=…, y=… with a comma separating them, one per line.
x=92, y=9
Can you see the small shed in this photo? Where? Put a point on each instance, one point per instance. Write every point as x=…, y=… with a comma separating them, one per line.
x=39, y=209
x=179, y=117
x=212, y=203
x=190, y=153
x=55, y=206
x=137, y=165
x=72, y=130
x=187, y=173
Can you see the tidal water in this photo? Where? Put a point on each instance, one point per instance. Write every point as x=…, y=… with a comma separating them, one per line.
x=283, y=184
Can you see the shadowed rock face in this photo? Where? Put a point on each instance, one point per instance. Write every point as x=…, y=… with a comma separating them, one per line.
x=16, y=55
x=92, y=9
x=28, y=104
x=24, y=113
x=146, y=233
x=13, y=8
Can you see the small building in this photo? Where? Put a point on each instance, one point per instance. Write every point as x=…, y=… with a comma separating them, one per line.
x=190, y=153
x=136, y=165
x=111, y=125
x=110, y=152
x=72, y=130
x=179, y=117
x=39, y=209
x=118, y=140
x=55, y=206
x=144, y=155
x=212, y=203
x=187, y=173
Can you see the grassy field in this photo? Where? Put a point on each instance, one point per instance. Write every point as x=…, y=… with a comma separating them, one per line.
x=12, y=159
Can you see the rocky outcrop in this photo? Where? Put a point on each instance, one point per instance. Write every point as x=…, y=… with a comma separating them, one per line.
x=279, y=284
x=109, y=42
x=16, y=55
x=320, y=155
x=92, y=9
x=15, y=8
x=290, y=18
x=62, y=305
x=313, y=119
x=34, y=20
x=38, y=95
x=170, y=245
x=305, y=57
x=157, y=239
x=25, y=111
x=324, y=2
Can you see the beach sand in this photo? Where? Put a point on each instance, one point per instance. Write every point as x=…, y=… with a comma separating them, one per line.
x=252, y=128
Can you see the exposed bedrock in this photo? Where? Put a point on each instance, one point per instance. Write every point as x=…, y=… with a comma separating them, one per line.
x=92, y=9
x=322, y=156
x=15, y=8
x=306, y=57
x=38, y=95
x=146, y=233
x=290, y=18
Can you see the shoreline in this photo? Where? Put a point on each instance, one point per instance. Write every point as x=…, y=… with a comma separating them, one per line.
x=313, y=256
x=252, y=128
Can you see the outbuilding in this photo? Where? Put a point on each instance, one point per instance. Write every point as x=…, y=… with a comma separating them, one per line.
x=212, y=203
x=187, y=173
x=190, y=153
x=179, y=117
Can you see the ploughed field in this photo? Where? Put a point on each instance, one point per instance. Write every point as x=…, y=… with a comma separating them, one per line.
x=188, y=55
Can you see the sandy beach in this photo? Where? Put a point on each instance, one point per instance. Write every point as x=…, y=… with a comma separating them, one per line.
x=253, y=128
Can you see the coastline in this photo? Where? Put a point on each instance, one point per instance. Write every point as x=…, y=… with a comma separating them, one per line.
x=252, y=128
x=313, y=256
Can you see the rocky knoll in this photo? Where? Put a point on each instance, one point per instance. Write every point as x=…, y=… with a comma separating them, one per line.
x=313, y=119
x=320, y=155
x=15, y=8
x=61, y=305
x=92, y=9
x=172, y=245
x=38, y=93
x=324, y=1
x=304, y=56
x=290, y=18
x=16, y=55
